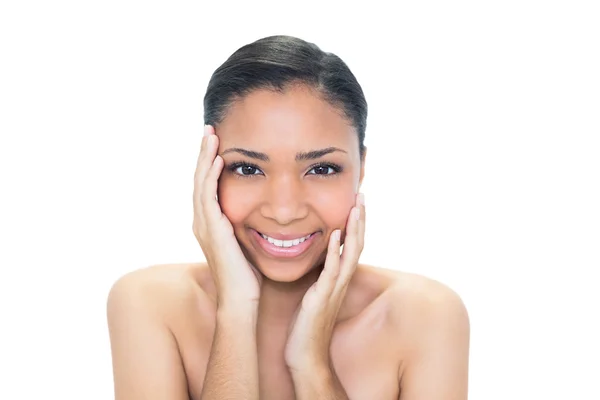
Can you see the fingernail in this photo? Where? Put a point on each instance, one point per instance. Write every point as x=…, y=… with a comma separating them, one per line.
x=361, y=198
x=206, y=130
x=356, y=212
x=338, y=234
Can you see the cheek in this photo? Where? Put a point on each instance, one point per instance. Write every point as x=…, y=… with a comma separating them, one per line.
x=235, y=200
x=334, y=206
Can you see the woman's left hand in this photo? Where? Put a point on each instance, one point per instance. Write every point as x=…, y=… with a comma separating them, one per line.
x=310, y=332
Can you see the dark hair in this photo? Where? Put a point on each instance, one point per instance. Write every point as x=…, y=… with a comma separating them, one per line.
x=275, y=63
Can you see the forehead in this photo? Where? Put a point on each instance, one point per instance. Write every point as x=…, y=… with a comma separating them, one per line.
x=297, y=117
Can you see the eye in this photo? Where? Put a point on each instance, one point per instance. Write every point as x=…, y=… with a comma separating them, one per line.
x=325, y=169
x=245, y=169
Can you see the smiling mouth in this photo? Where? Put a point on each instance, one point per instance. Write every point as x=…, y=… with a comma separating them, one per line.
x=286, y=243
x=284, y=248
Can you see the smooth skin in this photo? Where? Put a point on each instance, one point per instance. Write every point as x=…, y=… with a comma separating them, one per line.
x=247, y=325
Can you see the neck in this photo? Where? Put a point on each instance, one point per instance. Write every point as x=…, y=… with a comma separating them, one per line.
x=280, y=300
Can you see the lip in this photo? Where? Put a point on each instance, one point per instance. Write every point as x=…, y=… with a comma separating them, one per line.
x=284, y=236
x=283, y=252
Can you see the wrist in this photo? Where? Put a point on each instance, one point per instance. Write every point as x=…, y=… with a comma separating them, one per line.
x=312, y=380
x=308, y=360
x=237, y=313
x=308, y=371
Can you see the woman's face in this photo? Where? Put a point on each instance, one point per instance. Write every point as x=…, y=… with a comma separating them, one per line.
x=292, y=169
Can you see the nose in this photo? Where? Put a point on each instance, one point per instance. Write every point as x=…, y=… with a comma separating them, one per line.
x=285, y=200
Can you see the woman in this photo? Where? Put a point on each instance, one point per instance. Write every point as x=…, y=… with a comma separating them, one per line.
x=277, y=312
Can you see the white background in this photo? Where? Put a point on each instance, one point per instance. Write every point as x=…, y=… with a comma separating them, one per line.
x=483, y=169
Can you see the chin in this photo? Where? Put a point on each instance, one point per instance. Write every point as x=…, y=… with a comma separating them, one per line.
x=285, y=272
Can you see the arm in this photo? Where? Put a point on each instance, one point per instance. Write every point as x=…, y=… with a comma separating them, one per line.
x=436, y=368
x=307, y=352
x=146, y=361
x=233, y=364
x=319, y=383
x=232, y=371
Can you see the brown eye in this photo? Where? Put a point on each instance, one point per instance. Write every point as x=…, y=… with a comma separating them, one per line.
x=321, y=170
x=243, y=169
x=247, y=170
x=325, y=169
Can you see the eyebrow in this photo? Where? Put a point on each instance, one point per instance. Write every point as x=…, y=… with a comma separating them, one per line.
x=302, y=156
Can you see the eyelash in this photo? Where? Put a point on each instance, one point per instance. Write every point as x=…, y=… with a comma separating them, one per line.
x=335, y=167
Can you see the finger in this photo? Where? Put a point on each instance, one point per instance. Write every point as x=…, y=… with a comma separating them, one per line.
x=331, y=270
x=211, y=209
x=353, y=243
x=362, y=224
x=205, y=161
x=202, y=166
x=208, y=131
x=347, y=263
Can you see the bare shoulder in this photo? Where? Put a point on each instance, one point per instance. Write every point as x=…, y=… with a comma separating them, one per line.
x=420, y=300
x=159, y=285
x=423, y=293
x=431, y=325
x=416, y=303
x=405, y=289
x=146, y=311
x=166, y=290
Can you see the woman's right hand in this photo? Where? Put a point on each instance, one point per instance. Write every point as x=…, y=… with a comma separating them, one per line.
x=237, y=281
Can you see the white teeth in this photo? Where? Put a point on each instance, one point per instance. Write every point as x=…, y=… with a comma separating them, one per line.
x=285, y=243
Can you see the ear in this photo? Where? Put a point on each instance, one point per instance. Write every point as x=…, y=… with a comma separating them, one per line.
x=362, y=170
